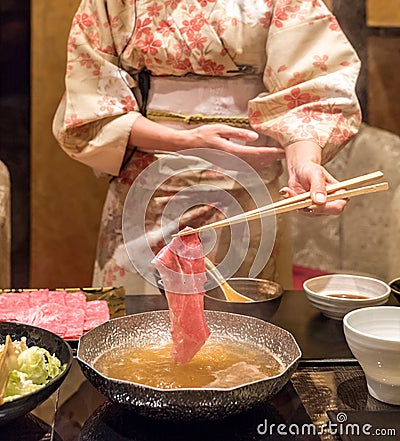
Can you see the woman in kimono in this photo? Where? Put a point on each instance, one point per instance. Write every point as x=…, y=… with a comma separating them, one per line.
x=264, y=80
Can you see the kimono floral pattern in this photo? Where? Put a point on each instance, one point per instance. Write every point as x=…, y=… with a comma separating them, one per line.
x=308, y=68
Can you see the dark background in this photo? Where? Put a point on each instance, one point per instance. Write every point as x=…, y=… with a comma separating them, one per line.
x=15, y=126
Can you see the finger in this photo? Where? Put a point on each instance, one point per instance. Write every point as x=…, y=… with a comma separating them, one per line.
x=318, y=187
x=268, y=151
x=333, y=208
x=287, y=192
x=242, y=134
x=259, y=151
x=263, y=155
x=329, y=178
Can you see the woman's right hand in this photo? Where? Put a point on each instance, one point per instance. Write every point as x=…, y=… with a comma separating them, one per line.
x=149, y=135
x=222, y=137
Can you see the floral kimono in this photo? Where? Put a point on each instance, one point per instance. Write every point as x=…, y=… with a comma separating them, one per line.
x=293, y=51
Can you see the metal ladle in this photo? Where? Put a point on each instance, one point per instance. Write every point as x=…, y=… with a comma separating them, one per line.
x=230, y=294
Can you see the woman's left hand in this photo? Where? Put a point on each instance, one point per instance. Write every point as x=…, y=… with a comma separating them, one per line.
x=306, y=173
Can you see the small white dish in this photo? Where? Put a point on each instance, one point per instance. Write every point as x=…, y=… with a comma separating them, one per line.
x=373, y=336
x=335, y=295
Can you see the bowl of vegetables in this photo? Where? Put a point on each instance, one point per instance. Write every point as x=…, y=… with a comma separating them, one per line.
x=38, y=363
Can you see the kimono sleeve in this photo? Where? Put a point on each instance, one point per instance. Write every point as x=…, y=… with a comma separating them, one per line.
x=94, y=118
x=310, y=74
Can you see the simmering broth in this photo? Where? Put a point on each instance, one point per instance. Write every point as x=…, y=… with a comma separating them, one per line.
x=221, y=364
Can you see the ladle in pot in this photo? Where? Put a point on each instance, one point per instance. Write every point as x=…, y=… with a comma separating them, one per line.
x=230, y=294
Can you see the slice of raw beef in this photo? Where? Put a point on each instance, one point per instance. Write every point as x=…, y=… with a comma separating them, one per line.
x=39, y=297
x=66, y=314
x=76, y=299
x=75, y=314
x=14, y=301
x=57, y=297
x=97, y=312
x=182, y=269
x=50, y=316
x=13, y=306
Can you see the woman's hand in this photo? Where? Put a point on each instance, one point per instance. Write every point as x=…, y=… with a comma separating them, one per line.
x=307, y=174
x=231, y=139
x=149, y=135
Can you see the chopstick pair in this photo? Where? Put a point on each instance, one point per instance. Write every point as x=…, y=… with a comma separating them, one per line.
x=299, y=201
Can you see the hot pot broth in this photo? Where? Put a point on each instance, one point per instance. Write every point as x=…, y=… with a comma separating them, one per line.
x=220, y=363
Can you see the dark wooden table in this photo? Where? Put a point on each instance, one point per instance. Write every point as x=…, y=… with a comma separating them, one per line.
x=325, y=394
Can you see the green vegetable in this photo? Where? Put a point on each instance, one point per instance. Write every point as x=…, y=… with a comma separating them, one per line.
x=36, y=367
x=19, y=384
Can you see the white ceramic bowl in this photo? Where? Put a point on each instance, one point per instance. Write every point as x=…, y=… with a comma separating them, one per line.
x=319, y=291
x=373, y=336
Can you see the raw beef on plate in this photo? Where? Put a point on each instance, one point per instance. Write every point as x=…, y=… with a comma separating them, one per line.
x=68, y=315
x=182, y=270
x=97, y=312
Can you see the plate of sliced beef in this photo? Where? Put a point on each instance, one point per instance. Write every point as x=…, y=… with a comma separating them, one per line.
x=69, y=313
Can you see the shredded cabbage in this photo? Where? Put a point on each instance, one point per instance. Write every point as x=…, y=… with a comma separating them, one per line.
x=36, y=367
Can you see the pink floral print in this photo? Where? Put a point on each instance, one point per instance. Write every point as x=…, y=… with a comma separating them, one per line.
x=210, y=37
x=297, y=98
x=320, y=62
x=112, y=40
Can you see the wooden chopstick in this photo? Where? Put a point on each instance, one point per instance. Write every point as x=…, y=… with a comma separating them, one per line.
x=346, y=194
x=296, y=203
x=299, y=197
